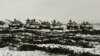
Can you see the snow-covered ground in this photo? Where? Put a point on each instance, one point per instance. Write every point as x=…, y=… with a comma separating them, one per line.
x=95, y=50
x=6, y=52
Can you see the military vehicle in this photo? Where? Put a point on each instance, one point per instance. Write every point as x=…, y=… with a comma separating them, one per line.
x=32, y=24
x=56, y=25
x=72, y=25
x=44, y=25
x=86, y=26
x=16, y=24
x=3, y=26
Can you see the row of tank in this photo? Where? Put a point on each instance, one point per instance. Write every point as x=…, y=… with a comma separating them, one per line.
x=37, y=25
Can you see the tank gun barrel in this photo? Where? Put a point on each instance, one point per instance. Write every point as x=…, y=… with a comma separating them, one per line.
x=8, y=20
x=40, y=21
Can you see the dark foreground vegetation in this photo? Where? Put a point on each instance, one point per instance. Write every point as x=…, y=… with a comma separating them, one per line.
x=55, y=50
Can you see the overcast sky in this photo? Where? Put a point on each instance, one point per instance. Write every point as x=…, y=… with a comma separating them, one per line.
x=62, y=10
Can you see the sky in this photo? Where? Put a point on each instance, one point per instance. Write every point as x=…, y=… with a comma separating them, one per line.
x=61, y=10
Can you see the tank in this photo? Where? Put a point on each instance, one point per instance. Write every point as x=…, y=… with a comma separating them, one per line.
x=72, y=25
x=3, y=26
x=56, y=25
x=16, y=24
x=44, y=25
x=86, y=26
x=32, y=24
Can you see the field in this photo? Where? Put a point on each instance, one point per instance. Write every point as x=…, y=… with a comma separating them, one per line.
x=49, y=44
